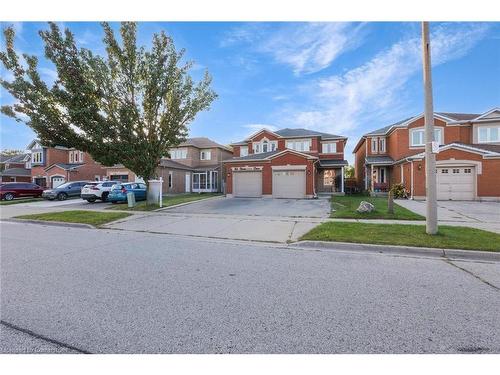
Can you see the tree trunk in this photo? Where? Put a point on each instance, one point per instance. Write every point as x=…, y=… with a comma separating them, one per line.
x=390, y=202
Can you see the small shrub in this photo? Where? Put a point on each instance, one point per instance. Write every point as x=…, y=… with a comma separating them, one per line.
x=399, y=191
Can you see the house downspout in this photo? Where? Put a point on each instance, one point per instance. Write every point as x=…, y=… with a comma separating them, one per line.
x=411, y=179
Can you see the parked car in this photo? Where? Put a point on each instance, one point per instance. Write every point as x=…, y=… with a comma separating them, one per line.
x=97, y=190
x=66, y=190
x=11, y=190
x=119, y=192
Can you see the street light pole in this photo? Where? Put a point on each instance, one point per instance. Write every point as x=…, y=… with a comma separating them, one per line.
x=430, y=157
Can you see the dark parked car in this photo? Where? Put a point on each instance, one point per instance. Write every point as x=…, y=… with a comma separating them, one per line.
x=66, y=190
x=119, y=192
x=11, y=190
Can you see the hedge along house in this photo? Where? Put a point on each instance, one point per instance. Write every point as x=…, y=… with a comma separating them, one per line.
x=467, y=165
x=287, y=163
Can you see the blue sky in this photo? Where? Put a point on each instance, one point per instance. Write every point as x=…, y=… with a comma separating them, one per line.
x=341, y=78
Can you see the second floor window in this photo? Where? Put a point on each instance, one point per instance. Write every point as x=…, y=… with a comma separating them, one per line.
x=382, y=144
x=417, y=137
x=243, y=150
x=329, y=148
x=178, y=153
x=264, y=146
x=76, y=156
x=374, y=145
x=488, y=134
x=299, y=145
x=36, y=157
x=205, y=155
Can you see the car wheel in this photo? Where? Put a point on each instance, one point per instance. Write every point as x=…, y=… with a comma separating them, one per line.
x=91, y=200
x=104, y=197
x=9, y=196
x=62, y=196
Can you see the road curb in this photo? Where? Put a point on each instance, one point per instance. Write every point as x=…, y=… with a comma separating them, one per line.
x=51, y=223
x=452, y=254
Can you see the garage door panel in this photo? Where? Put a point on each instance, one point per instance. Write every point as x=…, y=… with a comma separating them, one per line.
x=247, y=184
x=289, y=184
x=456, y=183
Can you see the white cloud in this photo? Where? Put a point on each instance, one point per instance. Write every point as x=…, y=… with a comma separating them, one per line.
x=305, y=47
x=376, y=89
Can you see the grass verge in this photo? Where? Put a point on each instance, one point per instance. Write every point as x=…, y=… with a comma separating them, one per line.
x=168, y=201
x=22, y=200
x=405, y=235
x=345, y=207
x=77, y=216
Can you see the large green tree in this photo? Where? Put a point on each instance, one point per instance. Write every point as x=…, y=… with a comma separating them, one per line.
x=129, y=107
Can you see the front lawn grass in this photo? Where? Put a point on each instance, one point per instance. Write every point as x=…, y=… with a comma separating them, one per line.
x=448, y=237
x=77, y=216
x=168, y=201
x=21, y=200
x=345, y=207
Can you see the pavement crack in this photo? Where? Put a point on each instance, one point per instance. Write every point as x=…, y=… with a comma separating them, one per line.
x=473, y=274
x=43, y=338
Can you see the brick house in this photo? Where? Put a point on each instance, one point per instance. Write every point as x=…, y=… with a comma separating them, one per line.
x=53, y=166
x=468, y=162
x=287, y=163
x=194, y=166
x=15, y=168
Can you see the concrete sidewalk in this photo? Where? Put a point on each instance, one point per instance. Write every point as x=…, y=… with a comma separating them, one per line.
x=254, y=228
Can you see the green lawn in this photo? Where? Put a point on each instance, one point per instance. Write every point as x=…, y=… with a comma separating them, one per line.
x=345, y=207
x=22, y=200
x=405, y=235
x=77, y=216
x=168, y=201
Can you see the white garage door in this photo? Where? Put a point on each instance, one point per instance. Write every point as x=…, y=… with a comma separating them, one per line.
x=247, y=184
x=289, y=184
x=56, y=181
x=456, y=183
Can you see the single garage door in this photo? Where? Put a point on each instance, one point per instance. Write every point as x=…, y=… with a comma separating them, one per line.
x=56, y=181
x=247, y=184
x=289, y=184
x=456, y=183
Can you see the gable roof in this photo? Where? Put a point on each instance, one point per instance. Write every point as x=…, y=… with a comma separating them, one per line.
x=290, y=133
x=202, y=142
x=459, y=116
x=168, y=163
x=65, y=166
x=19, y=158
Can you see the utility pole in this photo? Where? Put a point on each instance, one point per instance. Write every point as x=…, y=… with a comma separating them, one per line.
x=430, y=157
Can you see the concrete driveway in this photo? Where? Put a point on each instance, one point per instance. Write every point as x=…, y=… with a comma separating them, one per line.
x=319, y=208
x=484, y=215
x=272, y=220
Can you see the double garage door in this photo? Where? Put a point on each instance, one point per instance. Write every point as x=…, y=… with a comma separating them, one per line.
x=456, y=183
x=285, y=183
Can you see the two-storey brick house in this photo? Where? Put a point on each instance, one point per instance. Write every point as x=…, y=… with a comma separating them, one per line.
x=15, y=168
x=287, y=163
x=194, y=166
x=468, y=162
x=53, y=166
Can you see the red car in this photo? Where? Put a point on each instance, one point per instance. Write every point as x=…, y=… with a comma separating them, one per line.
x=11, y=190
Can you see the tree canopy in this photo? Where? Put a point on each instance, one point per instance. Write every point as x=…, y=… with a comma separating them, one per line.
x=128, y=107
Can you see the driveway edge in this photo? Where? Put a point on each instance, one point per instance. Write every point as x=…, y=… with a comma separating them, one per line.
x=186, y=203
x=401, y=250
x=51, y=223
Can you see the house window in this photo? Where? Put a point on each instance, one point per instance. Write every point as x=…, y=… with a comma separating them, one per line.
x=264, y=146
x=382, y=144
x=178, y=153
x=256, y=148
x=488, y=134
x=71, y=157
x=205, y=155
x=329, y=148
x=382, y=175
x=444, y=171
x=76, y=156
x=170, y=179
x=374, y=145
x=456, y=170
x=81, y=156
x=299, y=145
x=467, y=170
x=417, y=137
x=243, y=150
x=36, y=157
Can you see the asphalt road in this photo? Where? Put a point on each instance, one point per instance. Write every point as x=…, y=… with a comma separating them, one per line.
x=109, y=291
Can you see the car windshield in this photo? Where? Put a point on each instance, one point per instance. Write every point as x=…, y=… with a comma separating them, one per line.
x=65, y=185
x=116, y=187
